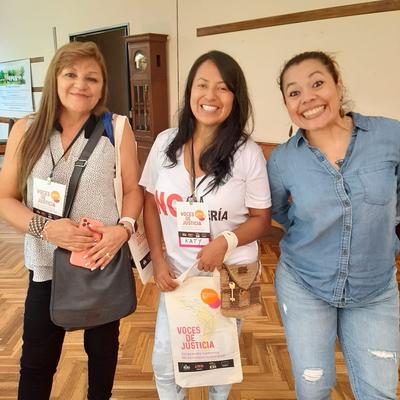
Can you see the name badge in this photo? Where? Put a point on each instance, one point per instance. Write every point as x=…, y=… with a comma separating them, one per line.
x=193, y=224
x=48, y=198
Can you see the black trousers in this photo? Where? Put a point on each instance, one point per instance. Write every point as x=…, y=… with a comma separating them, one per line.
x=42, y=344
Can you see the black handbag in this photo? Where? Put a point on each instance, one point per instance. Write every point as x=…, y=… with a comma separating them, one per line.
x=81, y=298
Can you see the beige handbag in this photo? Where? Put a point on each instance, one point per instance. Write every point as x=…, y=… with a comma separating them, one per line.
x=241, y=290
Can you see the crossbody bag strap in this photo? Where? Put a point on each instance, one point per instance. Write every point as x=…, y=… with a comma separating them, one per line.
x=80, y=166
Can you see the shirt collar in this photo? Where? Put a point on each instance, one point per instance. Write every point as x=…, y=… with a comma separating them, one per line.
x=360, y=123
x=88, y=126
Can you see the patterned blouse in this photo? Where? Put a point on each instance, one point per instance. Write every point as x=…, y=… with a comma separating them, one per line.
x=94, y=197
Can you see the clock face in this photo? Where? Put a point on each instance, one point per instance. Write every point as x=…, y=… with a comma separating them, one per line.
x=140, y=61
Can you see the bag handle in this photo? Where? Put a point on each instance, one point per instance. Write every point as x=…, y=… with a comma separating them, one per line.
x=80, y=166
x=118, y=133
x=181, y=278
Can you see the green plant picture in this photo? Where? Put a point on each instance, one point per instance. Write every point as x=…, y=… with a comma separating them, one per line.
x=12, y=76
x=16, y=98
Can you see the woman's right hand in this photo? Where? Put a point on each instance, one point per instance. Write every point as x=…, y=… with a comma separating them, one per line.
x=163, y=276
x=66, y=234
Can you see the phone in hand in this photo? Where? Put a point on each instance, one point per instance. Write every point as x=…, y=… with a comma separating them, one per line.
x=78, y=257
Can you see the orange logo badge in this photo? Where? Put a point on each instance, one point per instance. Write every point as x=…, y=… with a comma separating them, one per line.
x=55, y=196
x=200, y=215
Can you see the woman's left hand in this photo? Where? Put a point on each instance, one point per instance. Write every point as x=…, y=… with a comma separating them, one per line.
x=212, y=255
x=113, y=237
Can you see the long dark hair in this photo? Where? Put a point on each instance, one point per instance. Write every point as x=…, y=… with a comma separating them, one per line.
x=217, y=159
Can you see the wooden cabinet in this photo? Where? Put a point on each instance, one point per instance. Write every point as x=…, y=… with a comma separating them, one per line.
x=149, y=88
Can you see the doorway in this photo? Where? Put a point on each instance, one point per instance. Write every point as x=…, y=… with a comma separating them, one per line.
x=111, y=42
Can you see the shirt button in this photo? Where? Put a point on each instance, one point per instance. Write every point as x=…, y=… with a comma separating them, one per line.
x=345, y=252
x=338, y=177
x=346, y=203
x=347, y=227
x=321, y=158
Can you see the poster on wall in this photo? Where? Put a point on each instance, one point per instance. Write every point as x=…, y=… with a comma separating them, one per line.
x=15, y=92
x=15, y=88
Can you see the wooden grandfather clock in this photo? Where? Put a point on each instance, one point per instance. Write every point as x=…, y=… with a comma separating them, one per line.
x=149, y=89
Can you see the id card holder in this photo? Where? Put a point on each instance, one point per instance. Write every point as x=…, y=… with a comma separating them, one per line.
x=48, y=198
x=193, y=224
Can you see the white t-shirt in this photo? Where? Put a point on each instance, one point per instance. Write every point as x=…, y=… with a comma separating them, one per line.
x=228, y=205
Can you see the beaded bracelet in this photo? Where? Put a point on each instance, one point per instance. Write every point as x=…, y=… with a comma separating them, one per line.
x=36, y=226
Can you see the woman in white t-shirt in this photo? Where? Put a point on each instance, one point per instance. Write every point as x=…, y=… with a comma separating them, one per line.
x=209, y=158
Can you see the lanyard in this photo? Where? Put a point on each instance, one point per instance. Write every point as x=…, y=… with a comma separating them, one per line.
x=193, y=185
x=65, y=152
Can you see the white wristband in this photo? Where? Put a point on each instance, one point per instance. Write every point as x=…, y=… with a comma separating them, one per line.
x=130, y=221
x=232, y=241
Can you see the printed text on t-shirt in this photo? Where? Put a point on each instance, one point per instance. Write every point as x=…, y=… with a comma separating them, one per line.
x=165, y=205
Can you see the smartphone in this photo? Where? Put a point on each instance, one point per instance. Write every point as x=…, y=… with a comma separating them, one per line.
x=77, y=257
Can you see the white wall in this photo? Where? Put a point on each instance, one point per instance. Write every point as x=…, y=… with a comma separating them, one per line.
x=367, y=47
x=26, y=28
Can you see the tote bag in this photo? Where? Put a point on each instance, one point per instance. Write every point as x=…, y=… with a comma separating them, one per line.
x=205, y=344
x=138, y=244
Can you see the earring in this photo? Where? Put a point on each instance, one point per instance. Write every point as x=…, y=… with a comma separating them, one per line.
x=341, y=109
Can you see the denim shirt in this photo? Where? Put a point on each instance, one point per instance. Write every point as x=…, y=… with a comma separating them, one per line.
x=340, y=239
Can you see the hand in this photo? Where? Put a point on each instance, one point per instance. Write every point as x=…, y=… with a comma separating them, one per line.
x=66, y=234
x=113, y=237
x=163, y=276
x=212, y=256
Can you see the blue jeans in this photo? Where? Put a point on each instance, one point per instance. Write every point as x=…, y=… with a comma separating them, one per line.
x=368, y=334
x=163, y=366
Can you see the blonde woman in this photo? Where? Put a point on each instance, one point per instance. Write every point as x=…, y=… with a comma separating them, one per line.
x=42, y=149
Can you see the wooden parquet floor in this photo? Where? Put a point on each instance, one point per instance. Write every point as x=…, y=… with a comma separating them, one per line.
x=265, y=358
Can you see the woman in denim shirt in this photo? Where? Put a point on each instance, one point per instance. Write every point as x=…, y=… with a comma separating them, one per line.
x=335, y=189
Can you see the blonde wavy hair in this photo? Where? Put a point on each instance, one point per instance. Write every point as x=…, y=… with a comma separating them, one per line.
x=38, y=134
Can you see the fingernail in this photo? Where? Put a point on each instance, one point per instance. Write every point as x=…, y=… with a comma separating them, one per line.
x=87, y=264
x=93, y=268
x=101, y=268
